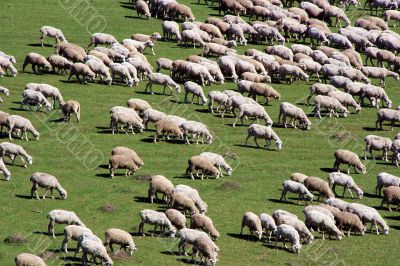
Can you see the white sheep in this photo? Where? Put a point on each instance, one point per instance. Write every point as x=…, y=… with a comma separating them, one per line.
x=220, y=98
x=386, y=114
x=6, y=65
x=297, y=188
x=73, y=232
x=48, y=182
x=27, y=259
x=264, y=132
x=161, y=79
x=99, y=68
x=385, y=180
x=294, y=113
x=47, y=90
x=15, y=122
x=323, y=222
x=123, y=72
x=5, y=91
x=196, y=90
x=120, y=237
x=123, y=161
x=102, y=39
x=187, y=237
x=217, y=160
x=203, y=164
x=285, y=233
x=194, y=195
x=198, y=131
x=62, y=217
x=377, y=143
x=95, y=249
x=330, y=103
x=346, y=181
x=268, y=224
x=153, y=116
x=337, y=203
x=35, y=98
x=51, y=32
x=351, y=159
x=4, y=170
x=369, y=215
x=157, y=219
x=253, y=222
x=14, y=150
x=255, y=111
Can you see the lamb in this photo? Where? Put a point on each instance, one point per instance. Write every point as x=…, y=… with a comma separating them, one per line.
x=120, y=237
x=74, y=232
x=346, y=181
x=164, y=63
x=203, y=164
x=196, y=90
x=263, y=90
x=330, y=103
x=351, y=221
x=373, y=142
x=188, y=236
x=337, y=203
x=320, y=89
x=206, y=248
x=10, y=58
x=369, y=215
x=38, y=62
x=268, y=225
x=349, y=158
x=124, y=74
x=265, y=132
x=163, y=186
x=62, y=217
x=374, y=94
x=217, y=49
x=194, y=195
x=220, y=98
x=16, y=122
x=313, y=183
x=286, y=232
x=192, y=36
x=205, y=223
x=294, y=72
x=157, y=219
x=319, y=220
x=385, y=180
x=385, y=114
x=346, y=99
x=122, y=161
x=161, y=79
x=27, y=259
x=171, y=28
x=6, y=65
x=289, y=110
x=95, y=249
x=59, y=63
x=4, y=170
x=14, y=150
x=298, y=177
x=197, y=130
x=79, y=69
x=127, y=118
x=165, y=127
x=177, y=219
x=35, y=98
x=102, y=39
x=180, y=200
x=339, y=40
x=297, y=188
x=391, y=194
x=255, y=111
x=99, y=68
x=153, y=116
x=70, y=107
x=51, y=32
x=253, y=222
x=142, y=9
x=217, y=160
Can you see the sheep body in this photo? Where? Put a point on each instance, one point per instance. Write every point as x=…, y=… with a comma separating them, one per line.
x=349, y=158
x=62, y=217
x=120, y=237
x=48, y=182
x=26, y=259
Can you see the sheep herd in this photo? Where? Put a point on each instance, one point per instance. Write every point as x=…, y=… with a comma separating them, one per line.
x=338, y=73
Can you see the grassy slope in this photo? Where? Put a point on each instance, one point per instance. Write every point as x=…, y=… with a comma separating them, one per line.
x=259, y=172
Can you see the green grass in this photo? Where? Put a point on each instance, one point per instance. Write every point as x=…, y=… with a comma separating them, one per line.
x=66, y=152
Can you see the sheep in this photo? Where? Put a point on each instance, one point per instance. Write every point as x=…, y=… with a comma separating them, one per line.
x=343, y=82
x=5, y=91
x=161, y=79
x=349, y=220
x=177, y=219
x=163, y=186
x=374, y=94
x=381, y=73
x=354, y=74
x=391, y=15
x=254, y=77
x=59, y=63
x=127, y=118
x=340, y=41
x=99, y=68
x=320, y=209
x=281, y=51
x=119, y=150
x=171, y=28
x=4, y=170
x=194, y=195
x=13, y=150
x=349, y=158
x=153, y=116
x=206, y=248
x=122, y=161
x=196, y=90
x=38, y=62
x=220, y=98
x=35, y=98
x=253, y=222
x=192, y=36
x=337, y=203
x=385, y=56
x=120, y=237
x=180, y=200
x=16, y=122
x=217, y=160
x=70, y=107
x=255, y=111
x=74, y=232
x=27, y=259
x=165, y=127
x=62, y=217
x=268, y=225
x=289, y=110
x=346, y=181
x=286, y=232
x=298, y=177
x=313, y=183
x=142, y=9
x=354, y=58
x=79, y=69
x=102, y=56
x=294, y=72
x=391, y=194
x=320, y=89
x=265, y=132
x=297, y=188
x=157, y=219
x=164, y=63
x=217, y=49
x=95, y=249
x=385, y=114
x=330, y=103
x=188, y=236
x=205, y=223
x=282, y=217
x=197, y=130
x=373, y=142
x=369, y=215
x=385, y=180
x=299, y=48
x=204, y=164
x=263, y=90
x=51, y=32
x=319, y=220
x=3, y=120
x=123, y=72
x=10, y=58
x=346, y=99
x=6, y=65
x=102, y=39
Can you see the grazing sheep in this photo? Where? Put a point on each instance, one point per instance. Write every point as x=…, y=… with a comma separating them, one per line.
x=120, y=237
x=313, y=183
x=62, y=217
x=160, y=185
x=203, y=164
x=220, y=98
x=205, y=223
x=128, y=118
x=385, y=114
x=268, y=225
x=51, y=32
x=205, y=246
x=217, y=160
x=391, y=194
x=346, y=99
x=286, y=232
x=264, y=132
x=180, y=200
x=164, y=63
x=99, y=68
x=171, y=28
x=319, y=220
x=59, y=63
x=377, y=143
x=14, y=150
x=4, y=170
x=337, y=203
x=254, y=77
x=194, y=195
x=70, y=107
x=298, y=177
x=294, y=113
x=157, y=219
x=294, y=72
x=128, y=152
x=330, y=103
x=196, y=90
x=27, y=259
x=38, y=62
x=216, y=49
x=153, y=116
x=16, y=122
x=253, y=222
x=349, y=158
x=391, y=15
x=191, y=36
x=95, y=249
x=188, y=236
x=263, y=90
x=122, y=161
x=320, y=209
x=80, y=69
x=198, y=131
x=6, y=65
x=381, y=73
x=177, y=219
x=297, y=188
x=346, y=181
x=255, y=111
x=47, y=90
x=165, y=127
x=161, y=79
x=320, y=89
x=349, y=220
x=74, y=232
x=36, y=98
x=10, y=58
x=385, y=180
x=124, y=74
x=101, y=39
x=142, y=9
x=369, y=215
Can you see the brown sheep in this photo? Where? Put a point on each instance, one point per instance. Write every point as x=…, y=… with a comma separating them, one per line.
x=313, y=183
x=391, y=194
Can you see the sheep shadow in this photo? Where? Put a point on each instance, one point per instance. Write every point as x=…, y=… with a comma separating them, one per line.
x=103, y=166
x=45, y=233
x=184, y=176
x=326, y=169
x=278, y=247
x=394, y=218
x=243, y=237
x=370, y=129
x=369, y=195
x=58, y=120
x=255, y=147
x=126, y=5
x=106, y=175
x=71, y=259
x=40, y=45
x=203, y=111
x=141, y=199
x=190, y=261
x=23, y=196
x=395, y=227
x=171, y=253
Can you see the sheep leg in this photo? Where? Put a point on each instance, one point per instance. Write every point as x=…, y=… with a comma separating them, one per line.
x=323, y=235
x=255, y=140
x=34, y=191
x=45, y=193
x=51, y=228
x=351, y=194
